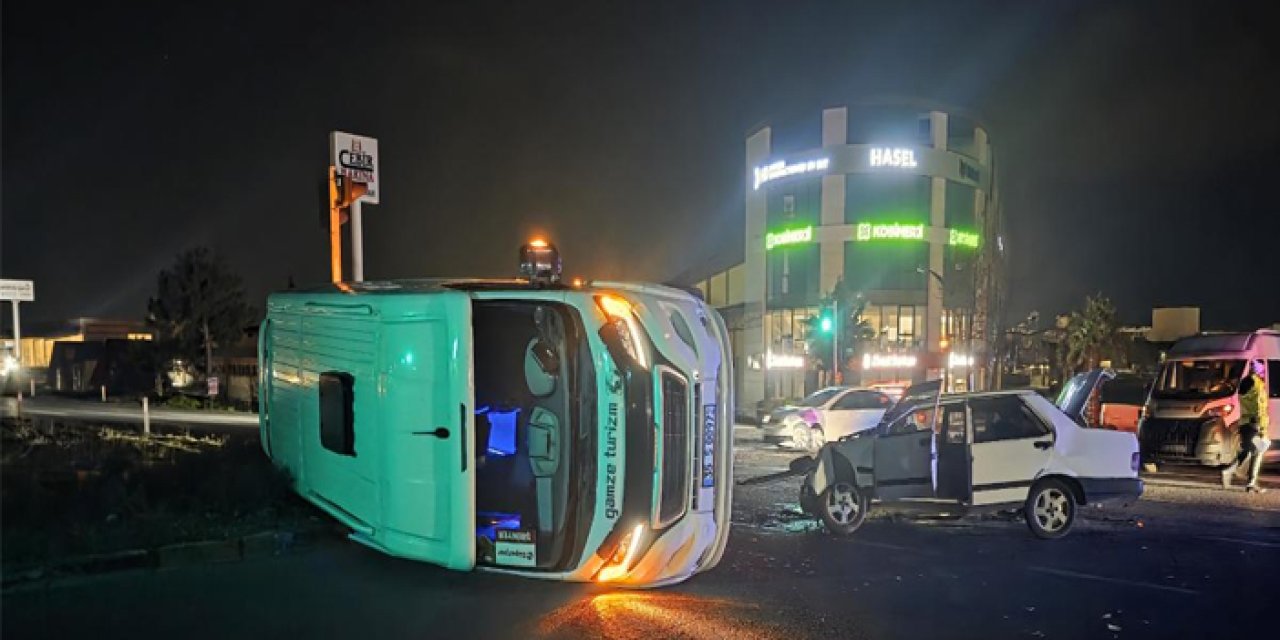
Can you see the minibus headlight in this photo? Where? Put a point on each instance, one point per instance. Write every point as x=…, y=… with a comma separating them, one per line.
x=1220, y=411
x=621, y=315
x=624, y=554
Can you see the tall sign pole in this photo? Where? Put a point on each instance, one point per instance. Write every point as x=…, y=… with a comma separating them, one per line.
x=357, y=242
x=354, y=161
x=15, y=291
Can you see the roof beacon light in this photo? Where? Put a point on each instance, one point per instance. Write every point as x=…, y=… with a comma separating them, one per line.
x=540, y=262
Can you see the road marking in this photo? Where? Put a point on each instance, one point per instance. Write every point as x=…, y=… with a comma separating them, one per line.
x=1256, y=543
x=894, y=547
x=1132, y=583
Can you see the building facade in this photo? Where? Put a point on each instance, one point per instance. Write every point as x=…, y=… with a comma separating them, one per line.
x=896, y=208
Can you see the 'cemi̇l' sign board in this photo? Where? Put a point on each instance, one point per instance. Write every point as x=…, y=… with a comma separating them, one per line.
x=356, y=158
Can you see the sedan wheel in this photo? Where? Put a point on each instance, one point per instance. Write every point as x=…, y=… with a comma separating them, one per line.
x=842, y=508
x=1050, y=510
x=800, y=436
x=816, y=439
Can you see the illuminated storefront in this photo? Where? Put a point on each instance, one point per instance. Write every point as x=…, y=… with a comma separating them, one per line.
x=898, y=203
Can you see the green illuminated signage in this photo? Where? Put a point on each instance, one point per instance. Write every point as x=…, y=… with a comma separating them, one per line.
x=866, y=231
x=958, y=238
x=788, y=236
x=870, y=231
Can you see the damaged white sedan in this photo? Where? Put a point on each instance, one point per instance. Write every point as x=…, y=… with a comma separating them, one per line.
x=973, y=451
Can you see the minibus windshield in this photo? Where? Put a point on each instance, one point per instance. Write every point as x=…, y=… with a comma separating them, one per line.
x=535, y=433
x=1198, y=379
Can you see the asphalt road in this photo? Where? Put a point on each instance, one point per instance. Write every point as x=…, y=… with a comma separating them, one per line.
x=1192, y=561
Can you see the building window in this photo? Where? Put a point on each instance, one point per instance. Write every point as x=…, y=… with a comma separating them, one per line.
x=906, y=324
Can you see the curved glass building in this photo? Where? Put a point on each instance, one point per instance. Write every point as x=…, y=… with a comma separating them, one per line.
x=898, y=202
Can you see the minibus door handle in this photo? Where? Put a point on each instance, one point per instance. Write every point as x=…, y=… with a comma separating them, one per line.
x=439, y=432
x=443, y=433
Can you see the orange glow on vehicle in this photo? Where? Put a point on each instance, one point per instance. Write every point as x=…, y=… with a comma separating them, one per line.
x=614, y=307
x=620, y=563
x=538, y=243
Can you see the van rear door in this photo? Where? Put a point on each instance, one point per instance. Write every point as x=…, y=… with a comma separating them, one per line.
x=427, y=429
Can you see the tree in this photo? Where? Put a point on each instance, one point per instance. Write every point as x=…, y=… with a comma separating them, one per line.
x=847, y=323
x=1090, y=334
x=199, y=304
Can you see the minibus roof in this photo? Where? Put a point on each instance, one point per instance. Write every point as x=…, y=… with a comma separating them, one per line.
x=1227, y=344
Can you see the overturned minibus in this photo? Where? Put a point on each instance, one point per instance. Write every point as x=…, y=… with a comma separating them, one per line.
x=522, y=426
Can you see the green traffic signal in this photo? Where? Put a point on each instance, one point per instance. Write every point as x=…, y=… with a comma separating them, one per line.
x=826, y=324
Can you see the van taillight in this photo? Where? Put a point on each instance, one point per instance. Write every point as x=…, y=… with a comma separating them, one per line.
x=1135, y=462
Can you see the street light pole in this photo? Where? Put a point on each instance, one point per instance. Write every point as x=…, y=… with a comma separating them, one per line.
x=946, y=365
x=835, y=340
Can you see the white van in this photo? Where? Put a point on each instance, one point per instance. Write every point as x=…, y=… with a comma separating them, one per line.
x=523, y=426
x=1193, y=412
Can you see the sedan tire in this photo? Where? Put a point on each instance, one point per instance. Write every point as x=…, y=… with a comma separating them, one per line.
x=1050, y=510
x=842, y=508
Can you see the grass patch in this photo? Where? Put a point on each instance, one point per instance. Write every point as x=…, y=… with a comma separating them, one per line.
x=72, y=490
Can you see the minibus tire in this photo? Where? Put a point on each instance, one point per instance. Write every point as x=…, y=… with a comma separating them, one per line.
x=1050, y=510
x=845, y=521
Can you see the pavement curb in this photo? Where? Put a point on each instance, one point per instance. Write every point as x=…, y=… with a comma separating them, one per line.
x=271, y=542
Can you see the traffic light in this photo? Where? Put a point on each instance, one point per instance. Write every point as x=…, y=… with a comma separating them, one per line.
x=827, y=323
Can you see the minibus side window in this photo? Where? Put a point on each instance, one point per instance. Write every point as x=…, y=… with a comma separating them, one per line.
x=337, y=428
x=1273, y=378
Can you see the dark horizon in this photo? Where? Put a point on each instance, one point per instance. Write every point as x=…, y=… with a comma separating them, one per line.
x=1135, y=142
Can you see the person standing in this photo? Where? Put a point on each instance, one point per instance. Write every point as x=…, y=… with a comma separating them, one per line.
x=1253, y=427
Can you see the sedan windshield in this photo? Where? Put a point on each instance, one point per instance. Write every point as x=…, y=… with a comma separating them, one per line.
x=818, y=398
x=1198, y=379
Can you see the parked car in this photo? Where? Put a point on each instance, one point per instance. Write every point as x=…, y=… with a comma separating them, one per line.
x=973, y=451
x=829, y=413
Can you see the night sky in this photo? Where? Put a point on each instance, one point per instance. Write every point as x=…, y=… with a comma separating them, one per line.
x=1139, y=145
